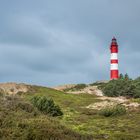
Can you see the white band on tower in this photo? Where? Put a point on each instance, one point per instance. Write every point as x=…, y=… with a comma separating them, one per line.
x=114, y=56
x=114, y=67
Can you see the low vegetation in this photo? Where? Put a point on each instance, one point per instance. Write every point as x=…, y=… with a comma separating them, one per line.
x=137, y=100
x=113, y=110
x=124, y=86
x=76, y=87
x=20, y=120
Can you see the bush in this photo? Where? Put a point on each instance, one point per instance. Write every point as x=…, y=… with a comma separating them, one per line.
x=120, y=87
x=47, y=106
x=80, y=86
x=98, y=84
x=113, y=111
x=137, y=100
x=76, y=87
x=124, y=86
x=137, y=89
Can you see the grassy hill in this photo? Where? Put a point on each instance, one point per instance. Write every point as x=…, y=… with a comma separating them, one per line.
x=20, y=120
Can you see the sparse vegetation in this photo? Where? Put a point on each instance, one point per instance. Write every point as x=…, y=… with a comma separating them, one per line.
x=113, y=110
x=97, y=83
x=76, y=87
x=137, y=100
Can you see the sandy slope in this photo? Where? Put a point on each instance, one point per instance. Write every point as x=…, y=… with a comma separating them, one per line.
x=13, y=88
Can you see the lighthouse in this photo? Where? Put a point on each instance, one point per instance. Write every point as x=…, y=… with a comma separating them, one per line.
x=114, y=71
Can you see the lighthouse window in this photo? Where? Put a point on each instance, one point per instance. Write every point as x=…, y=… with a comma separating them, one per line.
x=114, y=40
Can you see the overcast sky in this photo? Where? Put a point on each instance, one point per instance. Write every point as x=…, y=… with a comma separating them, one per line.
x=55, y=42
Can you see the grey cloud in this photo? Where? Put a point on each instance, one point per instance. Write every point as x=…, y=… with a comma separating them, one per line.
x=20, y=29
x=53, y=42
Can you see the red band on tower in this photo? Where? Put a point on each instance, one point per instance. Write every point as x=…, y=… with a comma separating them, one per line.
x=114, y=61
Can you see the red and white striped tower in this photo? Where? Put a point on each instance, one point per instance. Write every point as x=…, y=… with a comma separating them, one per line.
x=114, y=72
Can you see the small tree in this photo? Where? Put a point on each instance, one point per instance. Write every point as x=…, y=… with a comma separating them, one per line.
x=47, y=106
x=126, y=77
x=121, y=76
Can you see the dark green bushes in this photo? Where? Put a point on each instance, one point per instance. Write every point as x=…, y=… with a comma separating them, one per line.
x=119, y=87
x=124, y=86
x=80, y=86
x=137, y=88
x=47, y=106
x=113, y=111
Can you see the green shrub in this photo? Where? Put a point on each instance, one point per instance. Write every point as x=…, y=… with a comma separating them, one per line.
x=113, y=111
x=99, y=84
x=137, y=89
x=124, y=86
x=47, y=106
x=80, y=86
x=76, y=87
x=137, y=100
x=120, y=87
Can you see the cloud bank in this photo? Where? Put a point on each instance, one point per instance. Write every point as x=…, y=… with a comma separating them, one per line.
x=50, y=42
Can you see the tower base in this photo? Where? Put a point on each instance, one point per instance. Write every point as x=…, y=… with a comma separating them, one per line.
x=114, y=74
